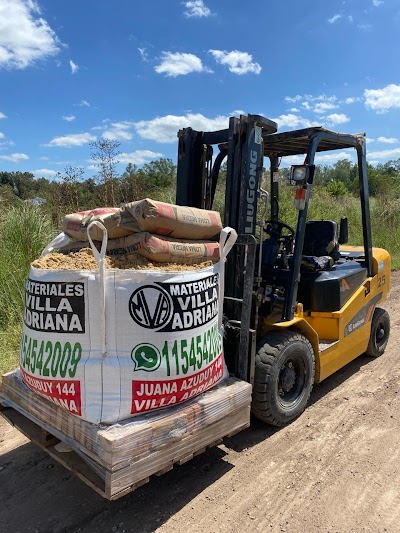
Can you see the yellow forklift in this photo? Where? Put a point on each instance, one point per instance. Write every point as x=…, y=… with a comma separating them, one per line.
x=299, y=304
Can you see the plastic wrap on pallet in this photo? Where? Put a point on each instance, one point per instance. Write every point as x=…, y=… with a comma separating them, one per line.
x=134, y=449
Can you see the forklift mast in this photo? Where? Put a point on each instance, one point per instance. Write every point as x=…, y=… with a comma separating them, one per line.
x=242, y=145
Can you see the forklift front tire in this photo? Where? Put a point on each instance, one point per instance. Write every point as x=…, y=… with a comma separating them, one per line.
x=284, y=377
x=380, y=329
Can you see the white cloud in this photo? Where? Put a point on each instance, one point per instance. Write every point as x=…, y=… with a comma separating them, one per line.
x=25, y=37
x=4, y=144
x=331, y=158
x=320, y=159
x=364, y=27
x=14, y=158
x=84, y=103
x=119, y=131
x=337, y=118
x=310, y=98
x=179, y=64
x=43, y=173
x=196, y=8
x=144, y=55
x=237, y=62
x=292, y=121
x=369, y=140
x=350, y=18
x=383, y=99
x=74, y=67
x=334, y=19
x=2, y=136
x=393, y=153
x=74, y=139
x=351, y=100
x=322, y=107
x=377, y=2
x=388, y=140
x=139, y=157
x=2, y=115
x=164, y=129
x=69, y=118
x=293, y=99
x=322, y=98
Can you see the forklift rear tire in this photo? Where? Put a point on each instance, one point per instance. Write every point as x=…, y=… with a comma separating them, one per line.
x=284, y=377
x=380, y=329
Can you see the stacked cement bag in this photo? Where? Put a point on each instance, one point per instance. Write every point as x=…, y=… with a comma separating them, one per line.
x=155, y=248
x=107, y=344
x=158, y=231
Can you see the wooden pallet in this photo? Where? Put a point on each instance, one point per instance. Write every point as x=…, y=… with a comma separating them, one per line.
x=123, y=463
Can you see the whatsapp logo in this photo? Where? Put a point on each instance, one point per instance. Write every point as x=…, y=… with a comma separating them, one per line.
x=145, y=357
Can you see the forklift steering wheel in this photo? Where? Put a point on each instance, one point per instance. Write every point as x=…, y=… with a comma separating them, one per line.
x=277, y=227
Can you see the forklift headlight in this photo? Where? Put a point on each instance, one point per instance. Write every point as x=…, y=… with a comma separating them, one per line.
x=301, y=174
x=298, y=173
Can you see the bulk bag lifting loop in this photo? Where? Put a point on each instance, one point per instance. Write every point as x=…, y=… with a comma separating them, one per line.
x=101, y=263
x=61, y=240
x=227, y=239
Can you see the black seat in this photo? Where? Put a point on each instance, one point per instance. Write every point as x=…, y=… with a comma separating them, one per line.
x=321, y=238
x=321, y=246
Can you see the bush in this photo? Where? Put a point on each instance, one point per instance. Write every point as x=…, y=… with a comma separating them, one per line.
x=24, y=232
x=337, y=189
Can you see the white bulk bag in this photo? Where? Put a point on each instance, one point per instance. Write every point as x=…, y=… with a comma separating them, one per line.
x=109, y=344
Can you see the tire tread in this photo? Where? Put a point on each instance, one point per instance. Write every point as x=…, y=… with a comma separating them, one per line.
x=267, y=351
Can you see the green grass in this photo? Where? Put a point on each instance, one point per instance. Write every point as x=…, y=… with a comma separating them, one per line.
x=24, y=232
x=9, y=347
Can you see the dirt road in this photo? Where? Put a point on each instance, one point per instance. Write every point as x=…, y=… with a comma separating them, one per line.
x=336, y=469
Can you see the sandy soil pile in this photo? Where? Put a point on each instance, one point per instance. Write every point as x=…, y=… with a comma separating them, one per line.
x=84, y=260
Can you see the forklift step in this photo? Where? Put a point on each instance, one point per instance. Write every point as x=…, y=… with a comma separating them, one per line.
x=325, y=344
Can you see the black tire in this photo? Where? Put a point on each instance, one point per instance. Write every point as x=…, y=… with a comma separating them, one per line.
x=284, y=377
x=380, y=330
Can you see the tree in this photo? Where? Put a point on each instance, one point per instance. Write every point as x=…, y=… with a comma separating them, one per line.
x=70, y=185
x=7, y=196
x=158, y=174
x=104, y=154
x=22, y=183
x=131, y=185
x=337, y=188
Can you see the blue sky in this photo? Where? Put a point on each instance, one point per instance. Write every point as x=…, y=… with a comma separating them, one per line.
x=72, y=71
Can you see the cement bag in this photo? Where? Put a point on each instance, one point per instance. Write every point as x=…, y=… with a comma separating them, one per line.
x=108, y=344
x=76, y=224
x=155, y=248
x=171, y=220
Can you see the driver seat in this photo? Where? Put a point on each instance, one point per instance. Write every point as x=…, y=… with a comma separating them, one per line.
x=321, y=245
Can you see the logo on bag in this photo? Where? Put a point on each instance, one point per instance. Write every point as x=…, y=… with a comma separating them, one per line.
x=150, y=307
x=146, y=357
x=176, y=306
